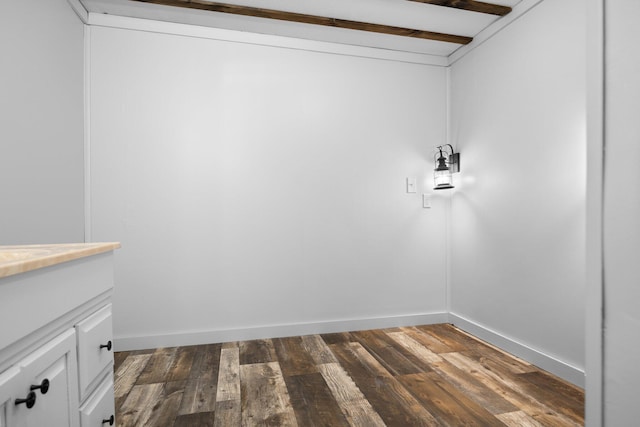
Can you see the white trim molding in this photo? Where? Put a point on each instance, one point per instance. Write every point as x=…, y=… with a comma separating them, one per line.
x=87, y=134
x=274, y=331
x=594, y=313
x=79, y=9
x=557, y=367
x=189, y=30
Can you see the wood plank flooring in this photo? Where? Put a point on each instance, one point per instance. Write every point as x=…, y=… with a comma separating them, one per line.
x=433, y=375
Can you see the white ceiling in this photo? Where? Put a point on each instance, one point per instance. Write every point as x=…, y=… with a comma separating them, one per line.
x=397, y=13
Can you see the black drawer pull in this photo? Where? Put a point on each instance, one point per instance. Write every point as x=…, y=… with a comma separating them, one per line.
x=110, y=420
x=43, y=387
x=107, y=345
x=30, y=400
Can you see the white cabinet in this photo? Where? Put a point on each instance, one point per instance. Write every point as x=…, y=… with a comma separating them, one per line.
x=95, y=348
x=42, y=389
x=95, y=368
x=100, y=407
x=47, y=385
x=9, y=387
x=56, y=342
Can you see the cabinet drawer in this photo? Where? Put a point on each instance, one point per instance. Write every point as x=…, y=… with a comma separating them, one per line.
x=94, y=333
x=100, y=407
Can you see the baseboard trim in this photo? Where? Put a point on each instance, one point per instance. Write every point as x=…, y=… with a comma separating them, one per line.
x=557, y=367
x=127, y=343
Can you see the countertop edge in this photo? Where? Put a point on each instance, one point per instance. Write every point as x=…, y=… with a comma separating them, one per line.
x=65, y=253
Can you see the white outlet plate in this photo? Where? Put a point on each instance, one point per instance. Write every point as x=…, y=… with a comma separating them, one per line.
x=426, y=201
x=411, y=185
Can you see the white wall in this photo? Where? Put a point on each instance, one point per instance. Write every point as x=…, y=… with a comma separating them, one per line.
x=41, y=123
x=518, y=214
x=254, y=186
x=622, y=213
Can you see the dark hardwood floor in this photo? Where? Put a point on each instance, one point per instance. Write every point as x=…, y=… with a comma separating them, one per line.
x=432, y=375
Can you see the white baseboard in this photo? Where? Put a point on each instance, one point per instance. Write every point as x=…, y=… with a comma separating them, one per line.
x=544, y=361
x=127, y=343
x=557, y=367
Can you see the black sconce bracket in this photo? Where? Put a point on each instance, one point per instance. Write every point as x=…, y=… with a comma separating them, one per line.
x=454, y=161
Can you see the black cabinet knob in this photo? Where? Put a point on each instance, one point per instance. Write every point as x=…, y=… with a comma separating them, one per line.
x=107, y=345
x=30, y=400
x=109, y=421
x=43, y=387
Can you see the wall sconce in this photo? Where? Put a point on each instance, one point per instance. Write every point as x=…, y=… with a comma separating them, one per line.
x=447, y=163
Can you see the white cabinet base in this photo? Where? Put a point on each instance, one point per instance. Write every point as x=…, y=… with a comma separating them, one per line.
x=53, y=370
x=100, y=407
x=41, y=389
x=95, y=348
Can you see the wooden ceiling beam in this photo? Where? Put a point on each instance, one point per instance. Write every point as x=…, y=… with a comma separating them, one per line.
x=471, y=5
x=311, y=19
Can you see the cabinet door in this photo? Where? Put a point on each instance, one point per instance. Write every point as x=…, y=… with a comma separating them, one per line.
x=58, y=406
x=100, y=407
x=95, y=348
x=9, y=387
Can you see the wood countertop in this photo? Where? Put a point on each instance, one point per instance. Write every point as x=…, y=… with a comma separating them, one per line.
x=23, y=258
